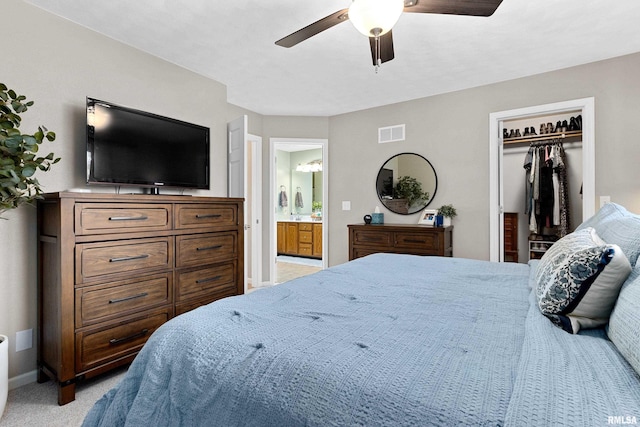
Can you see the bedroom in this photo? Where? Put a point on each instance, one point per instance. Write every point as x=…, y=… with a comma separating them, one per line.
x=451, y=129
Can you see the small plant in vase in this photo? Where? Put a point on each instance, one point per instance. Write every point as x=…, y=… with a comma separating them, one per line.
x=447, y=212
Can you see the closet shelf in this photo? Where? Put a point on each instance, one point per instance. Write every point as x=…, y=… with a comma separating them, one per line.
x=546, y=136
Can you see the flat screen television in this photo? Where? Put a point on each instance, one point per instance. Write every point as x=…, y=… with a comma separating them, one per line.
x=136, y=148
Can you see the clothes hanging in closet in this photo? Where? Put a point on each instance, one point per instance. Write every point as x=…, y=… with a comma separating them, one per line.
x=547, y=195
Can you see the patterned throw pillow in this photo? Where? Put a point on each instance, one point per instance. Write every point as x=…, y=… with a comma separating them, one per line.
x=578, y=280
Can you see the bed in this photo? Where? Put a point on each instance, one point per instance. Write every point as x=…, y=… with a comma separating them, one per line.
x=394, y=340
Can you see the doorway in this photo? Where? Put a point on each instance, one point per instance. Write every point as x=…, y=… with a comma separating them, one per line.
x=497, y=122
x=298, y=193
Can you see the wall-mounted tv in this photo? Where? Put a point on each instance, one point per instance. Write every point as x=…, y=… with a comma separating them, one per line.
x=137, y=148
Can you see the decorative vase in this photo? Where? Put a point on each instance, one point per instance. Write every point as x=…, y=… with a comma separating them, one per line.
x=446, y=221
x=4, y=372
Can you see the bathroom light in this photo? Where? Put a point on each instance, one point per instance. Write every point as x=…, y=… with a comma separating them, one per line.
x=374, y=18
x=314, y=166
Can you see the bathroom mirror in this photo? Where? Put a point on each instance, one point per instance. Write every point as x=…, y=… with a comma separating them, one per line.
x=406, y=183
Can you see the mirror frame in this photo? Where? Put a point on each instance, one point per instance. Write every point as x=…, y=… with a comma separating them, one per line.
x=432, y=194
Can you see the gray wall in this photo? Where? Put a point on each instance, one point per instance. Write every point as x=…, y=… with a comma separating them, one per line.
x=59, y=64
x=452, y=131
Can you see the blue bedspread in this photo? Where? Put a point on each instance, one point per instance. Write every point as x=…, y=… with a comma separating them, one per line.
x=385, y=340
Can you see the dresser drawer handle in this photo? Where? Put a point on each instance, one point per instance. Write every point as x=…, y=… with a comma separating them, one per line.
x=142, y=295
x=202, y=216
x=128, y=218
x=129, y=258
x=206, y=248
x=415, y=241
x=210, y=279
x=142, y=333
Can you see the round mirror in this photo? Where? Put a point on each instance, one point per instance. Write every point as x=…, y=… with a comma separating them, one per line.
x=406, y=183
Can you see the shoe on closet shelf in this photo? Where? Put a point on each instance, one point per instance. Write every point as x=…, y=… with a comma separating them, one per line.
x=565, y=126
x=572, y=124
x=512, y=133
x=579, y=121
x=505, y=133
x=543, y=128
x=526, y=132
x=558, y=128
x=533, y=131
x=518, y=135
x=549, y=128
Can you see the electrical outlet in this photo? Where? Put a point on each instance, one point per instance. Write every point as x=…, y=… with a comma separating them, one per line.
x=604, y=200
x=24, y=340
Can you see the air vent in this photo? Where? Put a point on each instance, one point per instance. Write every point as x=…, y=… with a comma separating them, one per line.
x=390, y=134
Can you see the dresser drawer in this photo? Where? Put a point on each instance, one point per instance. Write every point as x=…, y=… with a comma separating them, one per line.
x=189, y=305
x=102, y=218
x=373, y=237
x=201, y=215
x=216, y=279
x=97, y=260
x=305, y=249
x=305, y=236
x=422, y=242
x=305, y=226
x=106, y=302
x=200, y=249
x=105, y=344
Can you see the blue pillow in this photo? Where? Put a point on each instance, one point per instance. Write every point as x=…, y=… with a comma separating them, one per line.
x=578, y=280
x=616, y=225
x=624, y=324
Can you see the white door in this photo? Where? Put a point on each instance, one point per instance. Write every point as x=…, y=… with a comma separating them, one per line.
x=243, y=178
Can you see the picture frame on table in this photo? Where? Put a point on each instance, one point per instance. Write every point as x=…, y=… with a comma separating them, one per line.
x=428, y=217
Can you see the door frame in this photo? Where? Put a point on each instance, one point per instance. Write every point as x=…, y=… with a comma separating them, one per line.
x=254, y=143
x=273, y=243
x=496, y=195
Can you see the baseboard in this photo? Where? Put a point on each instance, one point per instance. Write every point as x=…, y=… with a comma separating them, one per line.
x=24, y=379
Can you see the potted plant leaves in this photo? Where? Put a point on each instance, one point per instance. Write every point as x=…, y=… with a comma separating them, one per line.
x=19, y=159
x=447, y=212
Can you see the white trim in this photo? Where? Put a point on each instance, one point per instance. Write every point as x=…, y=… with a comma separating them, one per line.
x=23, y=379
x=273, y=244
x=587, y=105
x=255, y=144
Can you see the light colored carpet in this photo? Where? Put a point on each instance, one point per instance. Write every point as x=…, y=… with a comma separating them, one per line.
x=36, y=405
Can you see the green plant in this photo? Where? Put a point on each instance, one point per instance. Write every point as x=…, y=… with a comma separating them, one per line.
x=447, y=211
x=316, y=206
x=411, y=189
x=18, y=158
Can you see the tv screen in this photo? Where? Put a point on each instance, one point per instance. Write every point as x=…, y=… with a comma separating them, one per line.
x=132, y=147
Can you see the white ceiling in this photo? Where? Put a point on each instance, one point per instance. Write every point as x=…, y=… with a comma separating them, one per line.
x=232, y=42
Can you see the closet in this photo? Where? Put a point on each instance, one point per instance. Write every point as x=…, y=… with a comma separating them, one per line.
x=542, y=183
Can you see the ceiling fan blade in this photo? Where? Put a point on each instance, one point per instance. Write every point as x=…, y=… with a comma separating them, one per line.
x=386, y=48
x=453, y=7
x=315, y=28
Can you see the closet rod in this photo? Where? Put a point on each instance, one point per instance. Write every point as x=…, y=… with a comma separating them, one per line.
x=550, y=136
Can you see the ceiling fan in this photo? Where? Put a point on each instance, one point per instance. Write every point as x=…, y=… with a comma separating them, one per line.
x=375, y=18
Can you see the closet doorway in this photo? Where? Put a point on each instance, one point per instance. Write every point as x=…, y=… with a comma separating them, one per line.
x=298, y=198
x=503, y=174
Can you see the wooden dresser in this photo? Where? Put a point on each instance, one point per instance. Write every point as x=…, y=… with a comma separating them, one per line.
x=399, y=238
x=113, y=268
x=511, y=237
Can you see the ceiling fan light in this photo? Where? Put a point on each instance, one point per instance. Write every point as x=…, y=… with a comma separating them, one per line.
x=375, y=17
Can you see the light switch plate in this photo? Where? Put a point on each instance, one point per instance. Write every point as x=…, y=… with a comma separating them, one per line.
x=346, y=205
